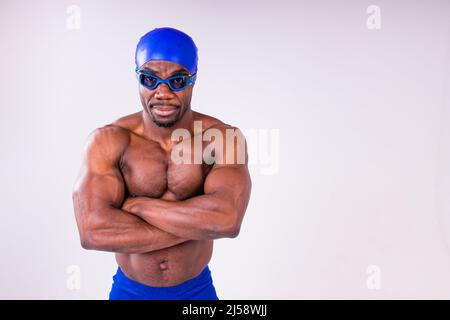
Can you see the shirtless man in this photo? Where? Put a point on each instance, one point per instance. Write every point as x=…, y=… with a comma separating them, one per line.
x=160, y=217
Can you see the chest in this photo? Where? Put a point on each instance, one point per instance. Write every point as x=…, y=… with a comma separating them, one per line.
x=148, y=170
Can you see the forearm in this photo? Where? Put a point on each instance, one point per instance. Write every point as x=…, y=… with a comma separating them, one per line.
x=198, y=218
x=120, y=231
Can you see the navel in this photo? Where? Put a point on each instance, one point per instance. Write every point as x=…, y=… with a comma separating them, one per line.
x=164, y=265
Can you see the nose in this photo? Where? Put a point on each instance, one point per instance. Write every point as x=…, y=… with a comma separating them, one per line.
x=163, y=91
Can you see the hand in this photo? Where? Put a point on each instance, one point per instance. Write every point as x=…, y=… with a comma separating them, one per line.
x=131, y=204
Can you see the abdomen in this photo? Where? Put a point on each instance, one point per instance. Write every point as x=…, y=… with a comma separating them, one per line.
x=169, y=266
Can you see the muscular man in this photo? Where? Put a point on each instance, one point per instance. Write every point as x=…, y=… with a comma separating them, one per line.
x=158, y=215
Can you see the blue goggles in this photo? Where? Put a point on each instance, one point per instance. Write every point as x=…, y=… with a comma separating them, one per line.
x=175, y=83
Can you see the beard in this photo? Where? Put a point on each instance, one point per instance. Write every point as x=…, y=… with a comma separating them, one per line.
x=166, y=122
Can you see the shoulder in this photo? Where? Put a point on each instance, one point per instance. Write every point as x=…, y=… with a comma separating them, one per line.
x=107, y=142
x=117, y=133
x=131, y=123
x=209, y=122
x=233, y=142
x=109, y=135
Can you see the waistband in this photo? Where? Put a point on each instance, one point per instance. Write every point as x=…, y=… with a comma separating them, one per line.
x=204, y=278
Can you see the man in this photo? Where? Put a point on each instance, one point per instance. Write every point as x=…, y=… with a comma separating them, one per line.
x=135, y=198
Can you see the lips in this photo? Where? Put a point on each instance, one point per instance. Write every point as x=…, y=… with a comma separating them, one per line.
x=164, y=111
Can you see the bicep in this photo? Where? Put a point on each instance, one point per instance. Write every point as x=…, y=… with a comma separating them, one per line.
x=100, y=184
x=98, y=191
x=230, y=184
x=229, y=179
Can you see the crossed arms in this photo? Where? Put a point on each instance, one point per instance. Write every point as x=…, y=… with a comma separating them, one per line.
x=109, y=222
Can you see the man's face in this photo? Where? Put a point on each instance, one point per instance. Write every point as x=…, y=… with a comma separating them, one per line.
x=164, y=106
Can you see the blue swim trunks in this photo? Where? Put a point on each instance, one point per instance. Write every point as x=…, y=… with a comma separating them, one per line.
x=199, y=288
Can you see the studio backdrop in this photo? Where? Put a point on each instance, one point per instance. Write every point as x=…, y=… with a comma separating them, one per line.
x=346, y=110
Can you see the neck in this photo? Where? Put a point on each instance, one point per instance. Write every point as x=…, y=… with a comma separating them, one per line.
x=162, y=135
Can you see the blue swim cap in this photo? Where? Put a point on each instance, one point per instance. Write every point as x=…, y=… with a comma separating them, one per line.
x=167, y=44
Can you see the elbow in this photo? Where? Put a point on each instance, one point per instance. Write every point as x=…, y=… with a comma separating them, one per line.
x=90, y=237
x=233, y=227
x=92, y=240
x=87, y=240
x=91, y=225
x=228, y=229
x=234, y=231
x=86, y=243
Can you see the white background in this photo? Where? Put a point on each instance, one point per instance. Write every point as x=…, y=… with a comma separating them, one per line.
x=364, y=149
